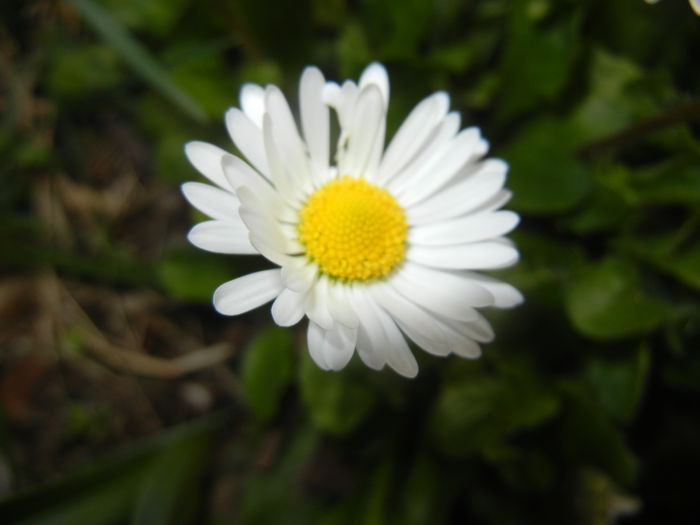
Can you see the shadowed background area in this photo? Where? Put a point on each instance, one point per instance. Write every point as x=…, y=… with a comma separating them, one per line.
x=126, y=399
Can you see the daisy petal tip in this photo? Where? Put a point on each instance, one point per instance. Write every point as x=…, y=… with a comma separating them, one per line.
x=375, y=74
x=408, y=372
x=185, y=187
x=187, y=146
x=312, y=74
x=516, y=298
x=442, y=99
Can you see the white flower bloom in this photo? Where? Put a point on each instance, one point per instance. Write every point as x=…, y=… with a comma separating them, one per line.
x=373, y=246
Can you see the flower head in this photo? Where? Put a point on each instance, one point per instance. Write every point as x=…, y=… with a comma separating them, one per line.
x=373, y=245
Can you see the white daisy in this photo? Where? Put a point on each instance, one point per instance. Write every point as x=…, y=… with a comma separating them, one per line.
x=373, y=246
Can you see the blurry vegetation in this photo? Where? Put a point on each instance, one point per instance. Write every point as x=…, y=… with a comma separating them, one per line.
x=585, y=408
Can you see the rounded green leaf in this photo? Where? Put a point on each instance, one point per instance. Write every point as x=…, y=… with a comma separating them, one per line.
x=606, y=301
x=619, y=383
x=266, y=370
x=191, y=275
x=545, y=175
x=334, y=402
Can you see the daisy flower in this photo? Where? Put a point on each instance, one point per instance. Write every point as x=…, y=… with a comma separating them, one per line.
x=372, y=245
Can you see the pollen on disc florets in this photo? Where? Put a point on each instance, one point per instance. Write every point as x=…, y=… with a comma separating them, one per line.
x=353, y=230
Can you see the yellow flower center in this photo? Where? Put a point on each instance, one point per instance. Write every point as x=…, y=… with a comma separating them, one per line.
x=353, y=230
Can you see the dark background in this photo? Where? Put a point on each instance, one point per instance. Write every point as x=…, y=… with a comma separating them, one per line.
x=127, y=399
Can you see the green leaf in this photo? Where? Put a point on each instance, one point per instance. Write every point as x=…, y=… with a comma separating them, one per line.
x=169, y=488
x=192, y=275
x=545, y=261
x=683, y=264
x=108, y=491
x=608, y=106
x=206, y=78
x=106, y=504
x=334, y=400
x=545, y=175
x=275, y=496
x=155, y=16
x=618, y=383
x=422, y=494
x=588, y=436
x=676, y=181
x=459, y=418
x=538, y=58
x=609, y=203
x=266, y=370
x=478, y=412
x=397, y=27
x=170, y=163
x=352, y=49
x=136, y=56
x=606, y=301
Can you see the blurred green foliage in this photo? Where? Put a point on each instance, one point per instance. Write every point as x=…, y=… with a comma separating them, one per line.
x=583, y=410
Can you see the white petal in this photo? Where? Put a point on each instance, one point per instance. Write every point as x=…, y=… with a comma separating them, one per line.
x=270, y=252
x=452, y=283
x=206, y=158
x=444, y=166
x=367, y=353
x=488, y=255
x=494, y=203
x=379, y=335
x=238, y=173
x=248, y=138
x=261, y=222
x=413, y=133
x=470, y=228
x=315, y=119
x=363, y=132
x=459, y=343
x=247, y=292
x=398, y=354
x=695, y=4
x=299, y=274
x=438, y=139
x=340, y=307
x=375, y=155
x=212, y=201
x=338, y=346
x=461, y=197
x=316, y=306
x=289, y=144
x=288, y=308
x=264, y=228
x=375, y=74
x=438, y=347
x=479, y=330
x=343, y=99
x=314, y=338
x=332, y=94
x=438, y=300
x=406, y=312
x=371, y=340
x=278, y=172
x=506, y=296
x=467, y=348
x=222, y=237
x=253, y=102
